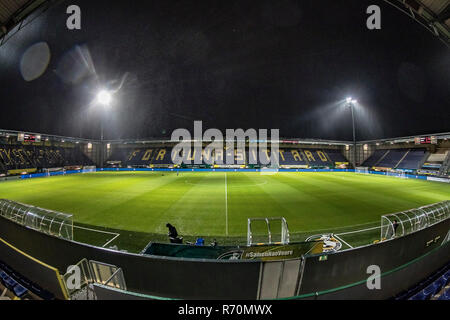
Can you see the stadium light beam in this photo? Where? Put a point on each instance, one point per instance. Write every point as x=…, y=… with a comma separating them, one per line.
x=351, y=103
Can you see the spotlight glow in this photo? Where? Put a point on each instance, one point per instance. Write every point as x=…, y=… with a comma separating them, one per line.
x=104, y=97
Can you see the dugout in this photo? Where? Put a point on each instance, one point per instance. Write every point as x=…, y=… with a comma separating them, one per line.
x=47, y=221
x=413, y=220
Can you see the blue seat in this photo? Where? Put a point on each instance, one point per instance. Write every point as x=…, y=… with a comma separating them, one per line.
x=200, y=242
x=10, y=283
x=419, y=296
x=432, y=289
x=445, y=296
x=446, y=277
x=3, y=276
x=441, y=282
x=20, y=291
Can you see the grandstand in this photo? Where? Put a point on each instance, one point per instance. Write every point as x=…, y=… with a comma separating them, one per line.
x=287, y=157
x=17, y=157
x=64, y=152
x=409, y=159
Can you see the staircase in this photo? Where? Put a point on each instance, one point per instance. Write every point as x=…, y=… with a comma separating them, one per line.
x=403, y=158
x=382, y=158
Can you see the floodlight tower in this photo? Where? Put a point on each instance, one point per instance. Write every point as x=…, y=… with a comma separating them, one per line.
x=352, y=103
x=104, y=99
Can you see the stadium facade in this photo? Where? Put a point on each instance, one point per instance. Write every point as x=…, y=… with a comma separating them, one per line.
x=23, y=152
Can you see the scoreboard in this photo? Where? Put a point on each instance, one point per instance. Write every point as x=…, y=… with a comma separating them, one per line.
x=426, y=140
x=22, y=137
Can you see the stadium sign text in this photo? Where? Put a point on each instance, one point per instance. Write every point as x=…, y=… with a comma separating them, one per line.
x=190, y=150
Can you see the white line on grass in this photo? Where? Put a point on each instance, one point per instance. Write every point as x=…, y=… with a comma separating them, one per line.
x=340, y=239
x=358, y=231
x=111, y=240
x=116, y=235
x=95, y=230
x=337, y=228
x=226, y=205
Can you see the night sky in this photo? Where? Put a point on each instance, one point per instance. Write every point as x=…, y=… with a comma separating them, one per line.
x=233, y=64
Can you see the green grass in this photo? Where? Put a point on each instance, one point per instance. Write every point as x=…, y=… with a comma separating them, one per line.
x=138, y=205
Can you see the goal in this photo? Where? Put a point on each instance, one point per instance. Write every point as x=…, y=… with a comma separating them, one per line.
x=397, y=174
x=262, y=231
x=363, y=170
x=54, y=171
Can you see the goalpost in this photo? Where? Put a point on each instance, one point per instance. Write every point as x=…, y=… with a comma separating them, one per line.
x=397, y=174
x=54, y=171
x=363, y=170
x=261, y=231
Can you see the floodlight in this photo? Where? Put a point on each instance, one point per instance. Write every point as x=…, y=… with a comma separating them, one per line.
x=104, y=97
x=349, y=99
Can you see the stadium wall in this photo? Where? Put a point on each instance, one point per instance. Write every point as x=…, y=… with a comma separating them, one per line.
x=41, y=175
x=403, y=263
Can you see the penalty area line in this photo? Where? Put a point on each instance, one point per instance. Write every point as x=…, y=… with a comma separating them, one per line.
x=340, y=239
x=115, y=234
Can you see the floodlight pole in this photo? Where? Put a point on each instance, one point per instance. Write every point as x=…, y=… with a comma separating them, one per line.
x=352, y=107
x=351, y=103
x=102, y=138
x=102, y=150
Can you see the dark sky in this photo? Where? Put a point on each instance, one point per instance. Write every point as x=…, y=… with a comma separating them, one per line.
x=233, y=64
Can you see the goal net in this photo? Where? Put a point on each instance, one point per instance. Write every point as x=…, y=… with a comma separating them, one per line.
x=263, y=231
x=363, y=170
x=54, y=171
x=397, y=174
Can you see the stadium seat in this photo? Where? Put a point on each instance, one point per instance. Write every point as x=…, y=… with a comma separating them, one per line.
x=10, y=283
x=20, y=291
x=446, y=277
x=3, y=276
x=30, y=156
x=200, y=242
x=445, y=295
x=420, y=296
x=432, y=289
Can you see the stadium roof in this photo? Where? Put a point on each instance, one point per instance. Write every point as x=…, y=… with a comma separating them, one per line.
x=14, y=12
x=282, y=140
x=432, y=14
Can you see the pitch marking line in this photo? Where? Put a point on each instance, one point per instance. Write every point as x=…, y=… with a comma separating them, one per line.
x=115, y=234
x=226, y=205
x=337, y=228
x=340, y=239
x=111, y=240
x=359, y=231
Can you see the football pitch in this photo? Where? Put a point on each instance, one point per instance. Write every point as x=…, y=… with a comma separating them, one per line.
x=129, y=209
